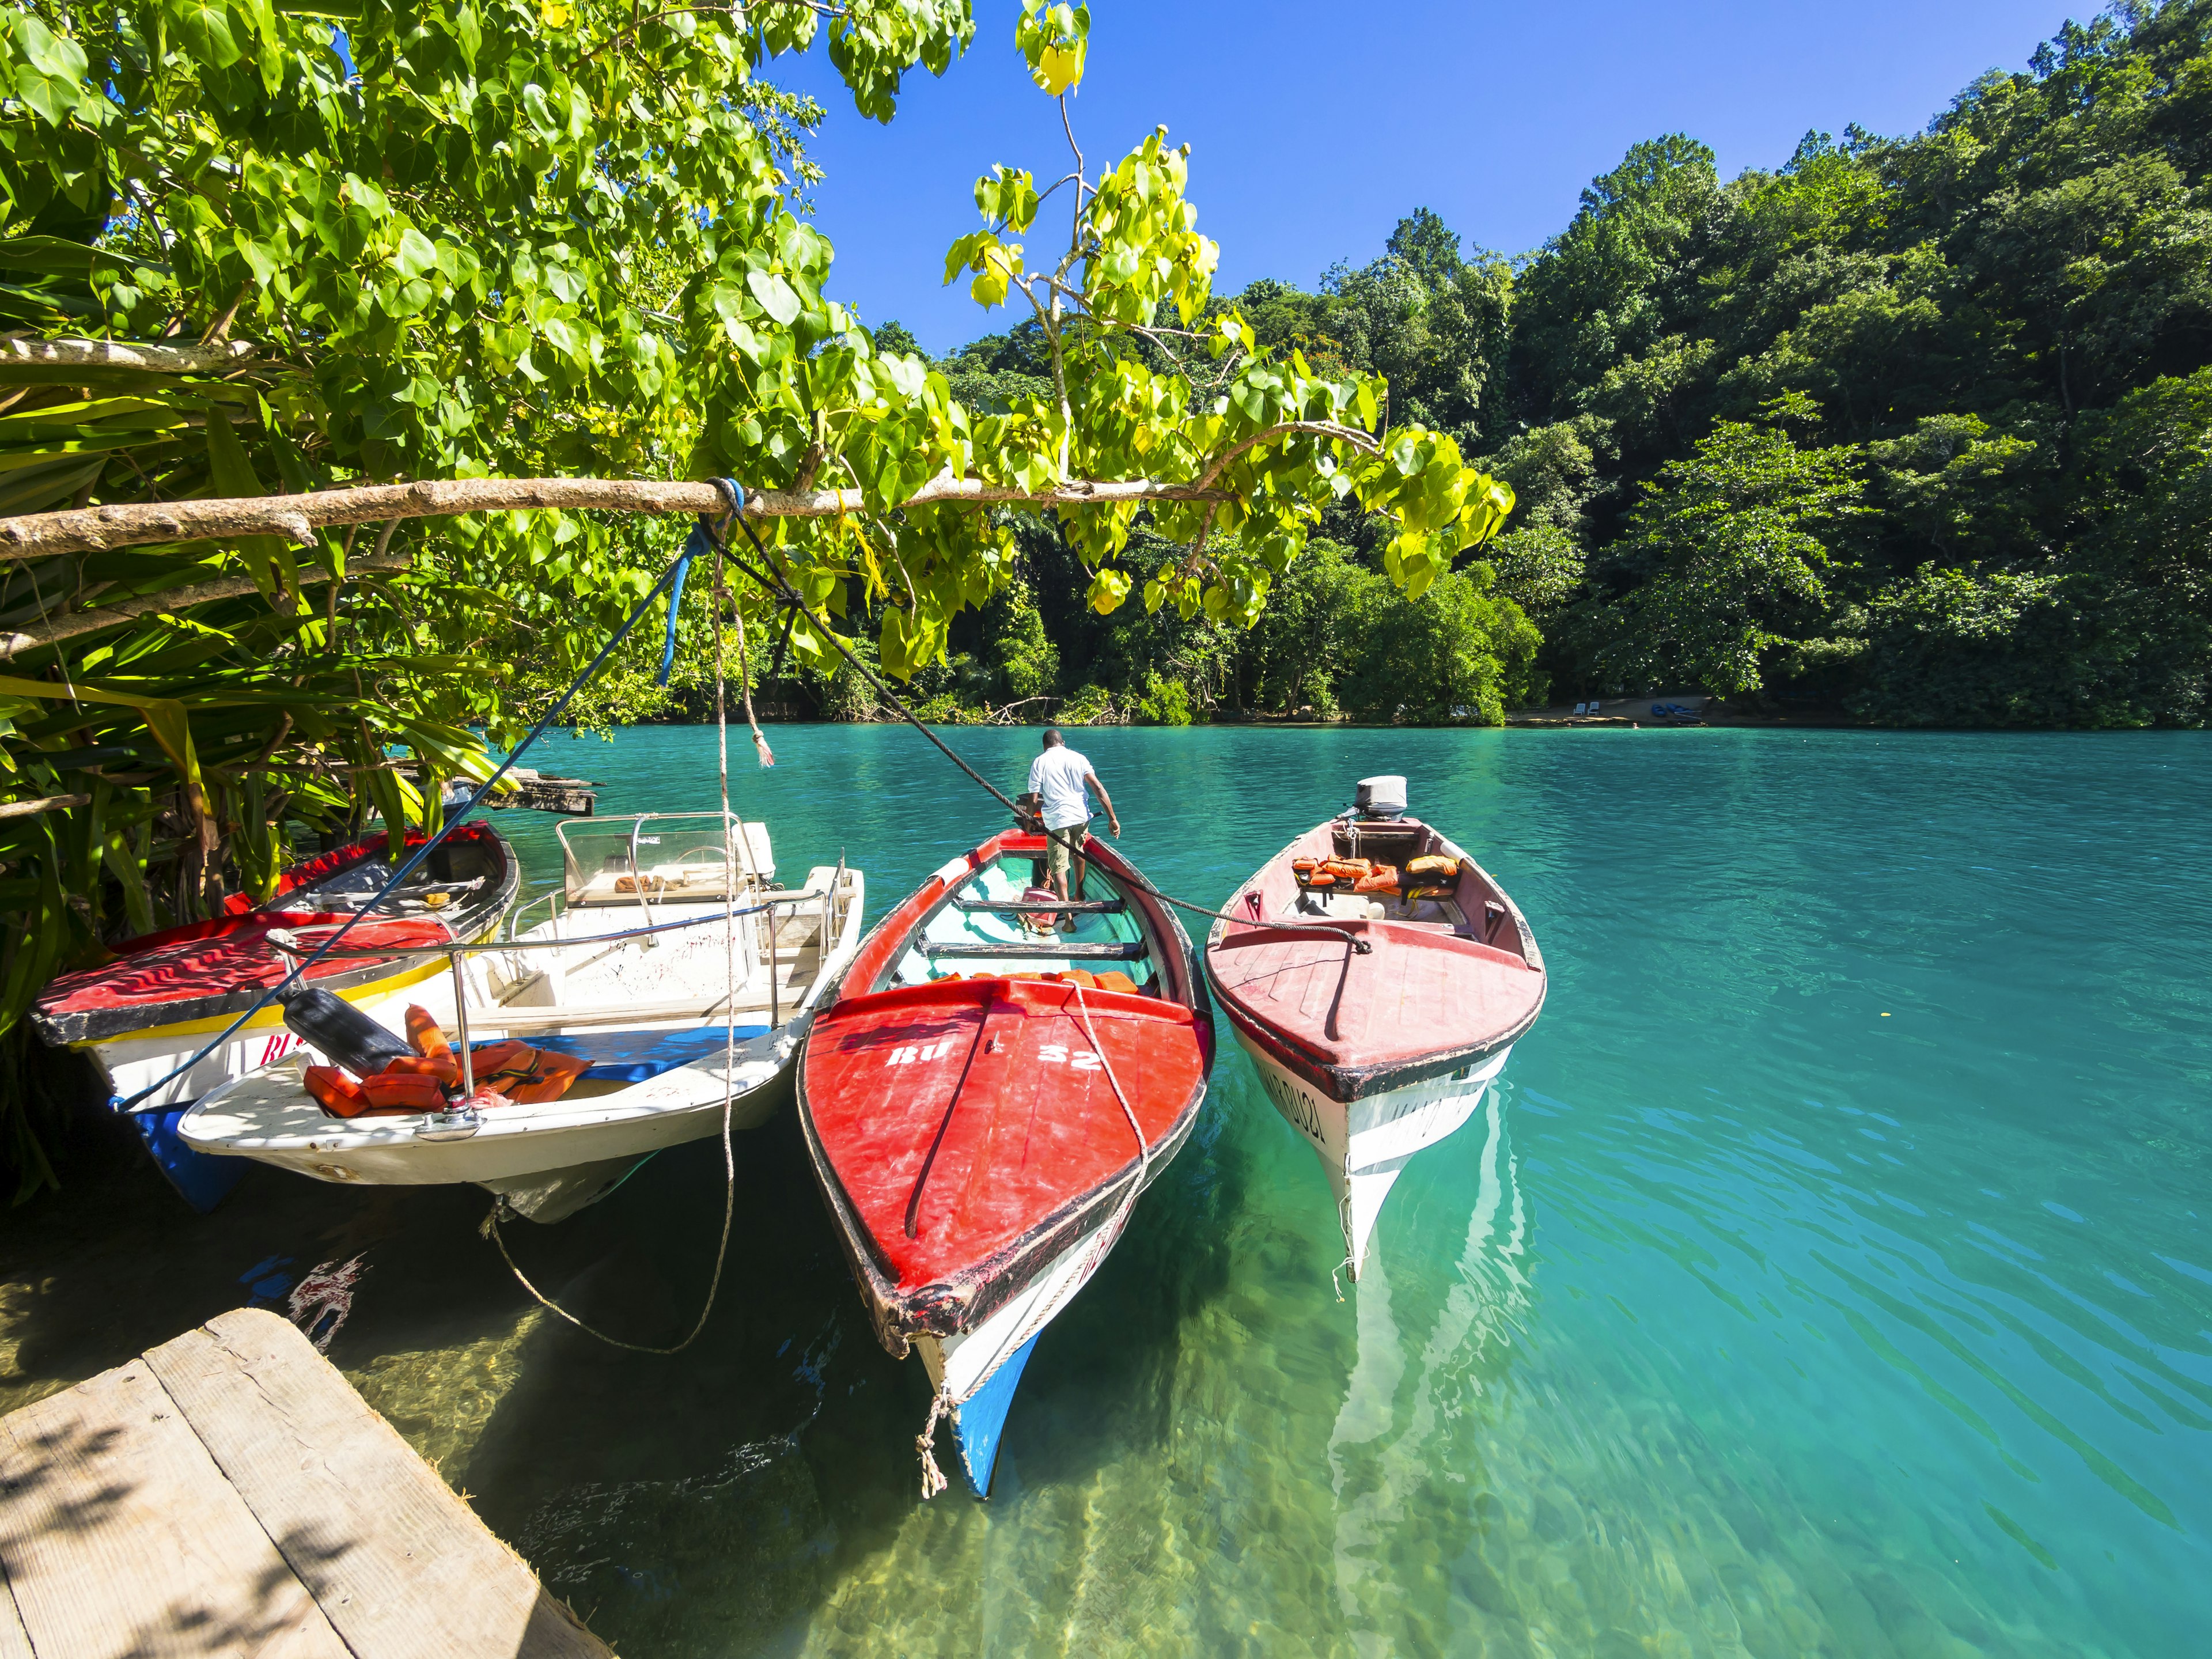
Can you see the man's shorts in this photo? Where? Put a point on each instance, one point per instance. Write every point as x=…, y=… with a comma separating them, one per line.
x=1063, y=847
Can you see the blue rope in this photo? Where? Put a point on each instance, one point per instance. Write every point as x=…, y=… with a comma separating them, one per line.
x=703, y=540
x=693, y=545
x=702, y=536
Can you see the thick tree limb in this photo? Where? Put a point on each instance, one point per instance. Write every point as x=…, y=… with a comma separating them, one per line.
x=127, y=354
x=39, y=535
x=173, y=599
x=24, y=808
x=92, y=530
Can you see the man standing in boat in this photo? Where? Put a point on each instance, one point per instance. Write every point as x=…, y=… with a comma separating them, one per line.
x=1059, y=778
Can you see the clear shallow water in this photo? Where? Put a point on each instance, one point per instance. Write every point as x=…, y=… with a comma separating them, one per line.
x=1748, y=1320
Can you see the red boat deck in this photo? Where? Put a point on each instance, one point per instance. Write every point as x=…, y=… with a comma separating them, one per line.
x=1420, y=990
x=1444, y=983
x=218, y=958
x=206, y=969
x=993, y=1087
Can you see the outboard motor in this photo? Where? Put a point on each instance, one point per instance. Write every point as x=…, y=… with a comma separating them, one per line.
x=1380, y=798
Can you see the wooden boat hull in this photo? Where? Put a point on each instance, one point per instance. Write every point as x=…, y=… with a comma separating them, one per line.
x=986, y=1109
x=981, y=1369
x=1364, y=1144
x=658, y=1081
x=1374, y=1058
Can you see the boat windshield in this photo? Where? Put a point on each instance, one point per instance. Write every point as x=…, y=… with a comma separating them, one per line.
x=676, y=856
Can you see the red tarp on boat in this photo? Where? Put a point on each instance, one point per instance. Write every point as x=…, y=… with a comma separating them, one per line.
x=220, y=959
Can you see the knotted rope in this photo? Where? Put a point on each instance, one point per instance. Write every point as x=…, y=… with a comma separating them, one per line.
x=933, y=1478
x=744, y=667
x=735, y=497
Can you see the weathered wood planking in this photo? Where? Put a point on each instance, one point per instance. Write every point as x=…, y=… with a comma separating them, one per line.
x=14, y=1640
x=120, y=1535
x=399, y=1565
x=230, y=1493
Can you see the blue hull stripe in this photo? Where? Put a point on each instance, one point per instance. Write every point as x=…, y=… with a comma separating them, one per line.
x=979, y=1422
x=633, y=1056
x=203, y=1180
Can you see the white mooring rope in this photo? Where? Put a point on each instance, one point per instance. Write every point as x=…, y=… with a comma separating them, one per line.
x=1048, y=1310
x=729, y=1024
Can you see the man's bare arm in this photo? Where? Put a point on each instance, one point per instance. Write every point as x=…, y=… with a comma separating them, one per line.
x=1113, y=824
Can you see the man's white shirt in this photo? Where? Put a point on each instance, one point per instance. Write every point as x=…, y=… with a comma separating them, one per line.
x=1056, y=776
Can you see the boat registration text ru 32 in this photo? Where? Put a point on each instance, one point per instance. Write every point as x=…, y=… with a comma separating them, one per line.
x=1381, y=996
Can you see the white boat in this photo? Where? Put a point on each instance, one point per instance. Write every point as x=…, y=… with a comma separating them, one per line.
x=628, y=967
x=1377, y=1020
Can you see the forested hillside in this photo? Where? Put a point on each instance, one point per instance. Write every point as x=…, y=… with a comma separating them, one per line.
x=1913, y=430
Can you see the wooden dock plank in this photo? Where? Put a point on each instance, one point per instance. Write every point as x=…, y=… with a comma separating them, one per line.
x=401, y=1566
x=120, y=1535
x=14, y=1640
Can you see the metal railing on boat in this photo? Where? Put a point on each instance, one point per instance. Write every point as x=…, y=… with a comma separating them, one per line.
x=457, y=1125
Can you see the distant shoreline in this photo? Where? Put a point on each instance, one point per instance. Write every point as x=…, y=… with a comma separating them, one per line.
x=1531, y=719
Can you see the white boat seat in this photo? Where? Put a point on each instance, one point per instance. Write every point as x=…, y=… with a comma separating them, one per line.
x=1132, y=950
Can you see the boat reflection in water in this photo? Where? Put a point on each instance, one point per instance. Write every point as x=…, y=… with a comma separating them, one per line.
x=1378, y=978
x=1375, y=1488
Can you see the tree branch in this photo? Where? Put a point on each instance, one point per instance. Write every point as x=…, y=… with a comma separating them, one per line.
x=127, y=354
x=39, y=535
x=1350, y=434
x=24, y=808
x=219, y=330
x=173, y=599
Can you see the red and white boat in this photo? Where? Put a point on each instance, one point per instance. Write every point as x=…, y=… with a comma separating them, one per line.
x=981, y=1119
x=1376, y=1018
x=165, y=994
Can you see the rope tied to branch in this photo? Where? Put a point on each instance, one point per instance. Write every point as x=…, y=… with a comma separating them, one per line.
x=701, y=532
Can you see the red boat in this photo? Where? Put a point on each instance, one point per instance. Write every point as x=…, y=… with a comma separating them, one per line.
x=1000, y=1076
x=164, y=995
x=1379, y=1005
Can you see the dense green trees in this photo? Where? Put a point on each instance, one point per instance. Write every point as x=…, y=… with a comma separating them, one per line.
x=1997, y=326
x=1914, y=429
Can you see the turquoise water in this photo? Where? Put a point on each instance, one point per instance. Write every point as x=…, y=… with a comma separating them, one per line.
x=1830, y=1274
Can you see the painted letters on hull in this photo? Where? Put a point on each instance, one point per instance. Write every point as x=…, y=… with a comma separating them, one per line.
x=1364, y=1145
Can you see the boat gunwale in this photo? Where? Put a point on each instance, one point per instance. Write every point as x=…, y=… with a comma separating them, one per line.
x=128, y=1020
x=623, y=1104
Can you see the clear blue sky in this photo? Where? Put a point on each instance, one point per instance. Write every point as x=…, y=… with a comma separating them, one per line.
x=1315, y=128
